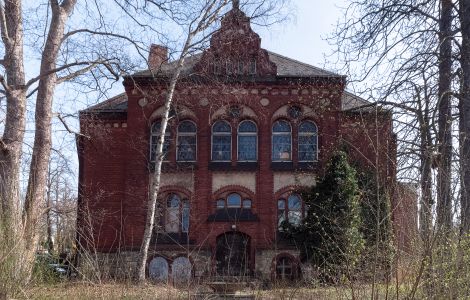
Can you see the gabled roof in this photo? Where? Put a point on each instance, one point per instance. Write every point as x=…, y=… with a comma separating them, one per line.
x=117, y=103
x=286, y=67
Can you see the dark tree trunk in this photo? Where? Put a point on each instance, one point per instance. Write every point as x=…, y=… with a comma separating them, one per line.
x=444, y=200
x=464, y=113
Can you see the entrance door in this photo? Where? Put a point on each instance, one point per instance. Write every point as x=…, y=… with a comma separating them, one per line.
x=232, y=254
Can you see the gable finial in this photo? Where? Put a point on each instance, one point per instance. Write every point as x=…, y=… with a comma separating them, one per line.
x=236, y=4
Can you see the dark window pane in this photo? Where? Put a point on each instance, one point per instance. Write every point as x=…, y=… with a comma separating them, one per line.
x=247, y=126
x=247, y=147
x=220, y=203
x=281, y=126
x=173, y=200
x=187, y=126
x=234, y=200
x=247, y=203
x=221, y=147
x=221, y=126
x=156, y=127
x=307, y=147
x=185, y=217
x=294, y=202
x=281, y=147
x=281, y=204
x=308, y=127
x=153, y=149
x=187, y=148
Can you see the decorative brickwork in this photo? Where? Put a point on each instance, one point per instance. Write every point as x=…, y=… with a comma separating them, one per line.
x=115, y=165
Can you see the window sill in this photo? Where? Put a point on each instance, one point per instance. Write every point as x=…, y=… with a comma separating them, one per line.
x=227, y=166
x=282, y=166
x=307, y=166
x=233, y=215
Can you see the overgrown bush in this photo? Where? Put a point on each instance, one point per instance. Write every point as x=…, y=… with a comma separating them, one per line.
x=329, y=235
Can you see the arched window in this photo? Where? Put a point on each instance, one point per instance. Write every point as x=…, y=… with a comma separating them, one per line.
x=181, y=270
x=177, y=214
x=247, y=141
x=221, y=141
x=158, y=269
x=289, y=210
x=308, y=141
x=286, y=268
x=155, y=136
x=234, y=200
x=282, y=141
x=187, y=145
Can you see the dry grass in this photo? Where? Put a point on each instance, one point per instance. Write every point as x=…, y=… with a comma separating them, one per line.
x=80, y=290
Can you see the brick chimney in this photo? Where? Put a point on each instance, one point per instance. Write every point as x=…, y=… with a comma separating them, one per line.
x=157, y=55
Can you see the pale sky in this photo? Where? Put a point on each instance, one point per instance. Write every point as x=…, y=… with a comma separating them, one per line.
x=303, y=37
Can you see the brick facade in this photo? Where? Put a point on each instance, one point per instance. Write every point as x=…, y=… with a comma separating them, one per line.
x=115, y=168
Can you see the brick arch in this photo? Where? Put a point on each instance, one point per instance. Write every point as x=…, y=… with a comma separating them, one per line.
x=307, y=112
x=295, y=261
x=233, y=188
x=287, y=189
x=183, y=113
x=247, y=113
x=167, y=189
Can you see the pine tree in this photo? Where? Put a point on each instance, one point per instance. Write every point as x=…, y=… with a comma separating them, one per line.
x=330, y=233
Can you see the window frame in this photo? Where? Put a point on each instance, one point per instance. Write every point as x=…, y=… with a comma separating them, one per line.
x=291, y=158
x=221, y=134
x=153, y=134
x=315, y=134
x=184, y=204
x=255, y=134
x=287, y=209
x=190, y=134
x=224, y=200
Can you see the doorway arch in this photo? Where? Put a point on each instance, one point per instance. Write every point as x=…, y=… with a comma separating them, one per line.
x=232, y=254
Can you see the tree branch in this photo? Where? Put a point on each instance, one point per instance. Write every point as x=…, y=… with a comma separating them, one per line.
x=76, y=73
x=61, y=119
x=33, y=80
x=4, y=84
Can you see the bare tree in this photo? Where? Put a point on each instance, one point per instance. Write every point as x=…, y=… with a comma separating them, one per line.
x=464, y=115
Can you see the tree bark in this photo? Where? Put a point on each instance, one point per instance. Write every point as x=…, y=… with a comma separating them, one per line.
x=13, y=135
x=464, y=114
x=37, y=182
x=444, y=200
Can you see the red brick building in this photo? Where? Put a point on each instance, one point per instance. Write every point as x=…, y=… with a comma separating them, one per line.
x=248, y=128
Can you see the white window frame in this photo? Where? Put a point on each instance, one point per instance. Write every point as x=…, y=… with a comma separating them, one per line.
x=157, y=135
x=281, y=133
x=307, y=134
x=248, y=134
x=178, y=134
x=221, y=134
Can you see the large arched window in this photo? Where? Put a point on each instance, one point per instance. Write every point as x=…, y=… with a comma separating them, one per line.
x=282, y=141
x=187, y=145
x=308, y=141
x=221, y=141
x=247, y=141
x=155, y=136
x=289, y=210
x=177, y=214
